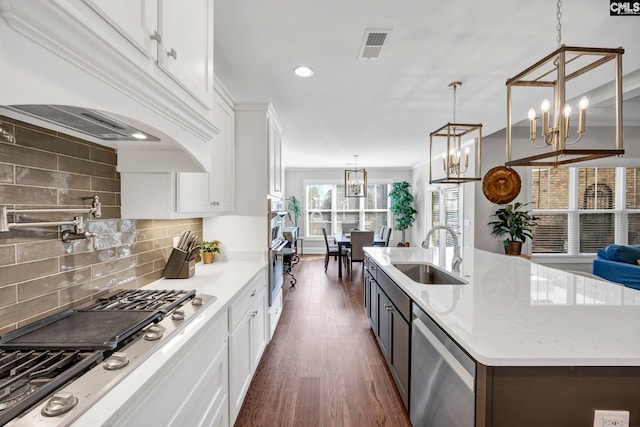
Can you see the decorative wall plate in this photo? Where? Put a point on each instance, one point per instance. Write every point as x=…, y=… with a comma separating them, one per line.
x=501, y=184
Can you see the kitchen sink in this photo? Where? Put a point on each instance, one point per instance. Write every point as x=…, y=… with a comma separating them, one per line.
x=428, y=274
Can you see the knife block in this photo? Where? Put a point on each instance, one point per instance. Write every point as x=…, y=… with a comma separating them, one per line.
x=178, y=267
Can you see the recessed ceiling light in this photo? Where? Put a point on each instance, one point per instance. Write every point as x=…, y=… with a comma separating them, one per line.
x=139, y=135
x=303, y=71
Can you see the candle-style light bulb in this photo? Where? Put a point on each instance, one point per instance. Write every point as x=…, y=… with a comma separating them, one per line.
x=545, y=107
x=567, y=116
x=582, y=115
x=532, y=124
x=466, y=157
x=444, y=161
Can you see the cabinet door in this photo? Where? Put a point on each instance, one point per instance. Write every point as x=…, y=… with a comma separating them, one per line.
x=193, y=192
x=274, y=141
x=240, y=365
x=399, y=357
x=384, y=324
x=136, y=20
x=186, y=51
x=222, y=188
x=367, y=294
x=373, y=306
x=258, y=328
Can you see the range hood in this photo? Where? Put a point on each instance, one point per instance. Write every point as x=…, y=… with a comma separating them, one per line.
x=86, y=121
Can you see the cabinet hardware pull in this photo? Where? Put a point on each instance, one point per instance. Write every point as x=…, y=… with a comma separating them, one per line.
x=215, y=203
x=173, y=53
x=253, y=294
x=388, y=307
x=253, y=313
x=156, y=36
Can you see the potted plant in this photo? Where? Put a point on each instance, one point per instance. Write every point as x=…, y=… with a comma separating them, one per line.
x=208, y=250
x=293, y=209
x=401, y=201
x=515, y=222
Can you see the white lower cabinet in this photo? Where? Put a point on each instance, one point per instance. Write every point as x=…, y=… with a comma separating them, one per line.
x=247, y=340
x=191, y=389
x=274, y=313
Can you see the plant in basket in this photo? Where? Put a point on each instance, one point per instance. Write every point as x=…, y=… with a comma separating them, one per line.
x=516, y=223
x=208, y=250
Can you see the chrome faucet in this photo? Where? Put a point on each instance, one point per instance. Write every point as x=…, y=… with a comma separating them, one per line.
x=457, y=259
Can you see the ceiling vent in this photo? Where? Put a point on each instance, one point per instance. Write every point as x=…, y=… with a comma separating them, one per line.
x=372, y=43
x=86, y=121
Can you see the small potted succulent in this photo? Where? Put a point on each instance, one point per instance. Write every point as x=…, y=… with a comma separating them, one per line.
x=515, y=223
x=208, y=250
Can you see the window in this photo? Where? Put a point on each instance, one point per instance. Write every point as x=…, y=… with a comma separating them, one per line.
x=444, y=206
x=328, y=207
x=579, y=211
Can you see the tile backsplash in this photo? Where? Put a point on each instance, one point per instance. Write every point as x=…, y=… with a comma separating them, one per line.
x=41, y=275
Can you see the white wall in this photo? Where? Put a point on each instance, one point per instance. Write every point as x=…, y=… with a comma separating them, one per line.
x=294, y=185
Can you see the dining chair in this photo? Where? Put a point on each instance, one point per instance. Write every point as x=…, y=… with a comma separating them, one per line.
x=359, y=239
x=387, y=236
x=332, y=250
x=381, y=231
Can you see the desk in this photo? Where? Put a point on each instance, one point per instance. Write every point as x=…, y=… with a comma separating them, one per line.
x=345, y=242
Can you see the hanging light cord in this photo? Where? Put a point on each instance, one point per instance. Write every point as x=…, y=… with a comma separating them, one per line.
x=455, y=86
x=559, y=25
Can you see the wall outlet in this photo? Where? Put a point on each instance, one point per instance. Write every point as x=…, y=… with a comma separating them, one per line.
x=610, y=418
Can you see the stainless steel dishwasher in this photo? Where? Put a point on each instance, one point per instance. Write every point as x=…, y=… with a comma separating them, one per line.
x=442, y=377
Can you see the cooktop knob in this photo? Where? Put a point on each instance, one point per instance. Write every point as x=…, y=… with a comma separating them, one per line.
x=152, y=334
x=61, y=403
x=177, y=315
x=118, y=360
x=197, y=301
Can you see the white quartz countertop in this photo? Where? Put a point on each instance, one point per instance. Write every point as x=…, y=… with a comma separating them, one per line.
x=513, y=312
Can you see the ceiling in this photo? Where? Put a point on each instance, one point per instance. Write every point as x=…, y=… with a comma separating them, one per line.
x=384, y=109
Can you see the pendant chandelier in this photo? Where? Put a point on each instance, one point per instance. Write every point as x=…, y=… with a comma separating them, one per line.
x=355, y=181
x=554, y=72
x=454, y=164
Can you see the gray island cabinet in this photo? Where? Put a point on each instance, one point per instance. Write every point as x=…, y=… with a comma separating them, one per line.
x=517, y=344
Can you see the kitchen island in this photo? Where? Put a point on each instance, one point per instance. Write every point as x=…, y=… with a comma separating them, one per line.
x=549, y=346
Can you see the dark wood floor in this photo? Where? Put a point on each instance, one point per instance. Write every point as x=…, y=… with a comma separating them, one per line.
x=323, y=366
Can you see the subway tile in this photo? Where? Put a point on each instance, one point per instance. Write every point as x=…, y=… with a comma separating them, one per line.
x=71, y=164
x=151, y=256
x=68, y=197
x=105, y=184
x=50, y=178
x=8, y=295
x=7, y=254
x=20, y=235
x=151, y=234
x=110, y=211
x=74, y=261
x=139, y=247
x=117, y=265
x=102, y=226
x=79, y=295
x=20, y=123
x=23, y=195
x=103, y=155
x=144, y=224
x=127, y=225
x=27, y=271
x=47, y=142
x=27, y=309
x=46, y=285
x=6, y=174
x=23, y=156
x=7, y=132
x=41, y=250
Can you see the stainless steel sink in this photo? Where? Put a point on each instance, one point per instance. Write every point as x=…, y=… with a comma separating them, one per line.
x=428, y=274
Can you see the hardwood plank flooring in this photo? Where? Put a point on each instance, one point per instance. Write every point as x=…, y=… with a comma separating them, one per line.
x=323, y=367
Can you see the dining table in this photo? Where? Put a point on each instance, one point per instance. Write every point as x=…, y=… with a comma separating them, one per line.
x=344, y=241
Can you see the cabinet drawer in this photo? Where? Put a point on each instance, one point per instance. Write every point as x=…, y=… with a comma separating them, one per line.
x=395, y=294
x=243, y=302
x=370, y=267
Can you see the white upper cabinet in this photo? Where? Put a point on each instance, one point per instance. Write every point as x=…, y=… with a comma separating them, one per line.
x=180, y=38
x=275, y=157
x=136, y=20
x=213, y=192
x=186, y=45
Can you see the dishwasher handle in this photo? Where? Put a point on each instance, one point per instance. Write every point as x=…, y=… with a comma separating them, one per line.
x=447, y=356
